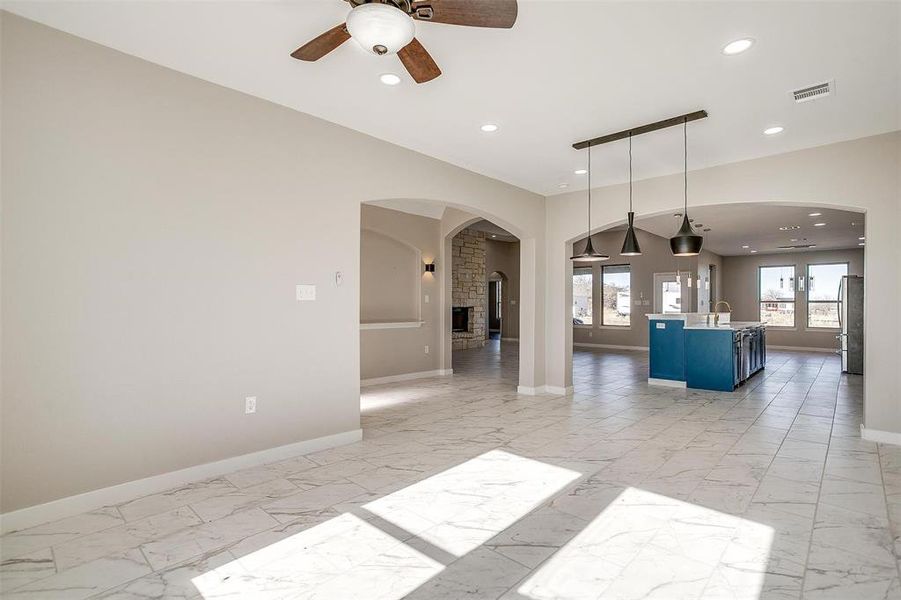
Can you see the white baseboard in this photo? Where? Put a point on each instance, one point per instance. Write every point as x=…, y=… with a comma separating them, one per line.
x=544, y=389
x=503, y=339
x=666, y=382
x=610, y=346
x=123, y=492
x=406, y=377
x=559, y=391
x=882, y=437
x=800, y=349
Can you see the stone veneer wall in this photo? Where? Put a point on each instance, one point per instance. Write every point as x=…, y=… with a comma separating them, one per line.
x=468, y=280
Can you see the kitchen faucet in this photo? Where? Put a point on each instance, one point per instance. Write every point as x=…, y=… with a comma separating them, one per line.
x=716, y=315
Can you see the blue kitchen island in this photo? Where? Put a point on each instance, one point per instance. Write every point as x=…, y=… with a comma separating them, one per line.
x=689, y=350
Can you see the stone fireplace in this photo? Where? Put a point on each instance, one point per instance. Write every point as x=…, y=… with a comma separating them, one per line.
x=469, y=292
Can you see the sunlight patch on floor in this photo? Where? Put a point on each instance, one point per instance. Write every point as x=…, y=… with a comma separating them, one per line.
x=348, y=557
x=461, y=508
x=644, y=545
x=345, y=557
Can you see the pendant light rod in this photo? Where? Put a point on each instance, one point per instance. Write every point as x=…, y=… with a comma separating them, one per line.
x=589, y=191
x=630, y=172
x=685, y=165
x=648, y=128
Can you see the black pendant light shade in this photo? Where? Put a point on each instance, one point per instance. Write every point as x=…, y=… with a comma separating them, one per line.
x=589, y=254
x=630, y=244
x=686, y=242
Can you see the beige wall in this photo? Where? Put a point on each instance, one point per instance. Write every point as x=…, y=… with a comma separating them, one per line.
x=504, y=258
x=740, y=290
x=154, y=229
x=388, y=238
x=860, y=175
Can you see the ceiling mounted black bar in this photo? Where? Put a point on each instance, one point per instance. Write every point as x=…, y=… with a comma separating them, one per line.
x=621, y=135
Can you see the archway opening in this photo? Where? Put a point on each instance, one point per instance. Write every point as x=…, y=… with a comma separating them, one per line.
x=795, y=270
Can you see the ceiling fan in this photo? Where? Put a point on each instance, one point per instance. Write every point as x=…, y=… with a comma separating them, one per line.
x=387, y=27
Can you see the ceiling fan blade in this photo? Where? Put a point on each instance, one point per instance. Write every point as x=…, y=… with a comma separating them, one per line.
x=474, y=13
x=418, y=62
x=322, y=45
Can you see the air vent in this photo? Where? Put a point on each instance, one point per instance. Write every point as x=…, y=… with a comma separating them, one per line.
x=814, y=92
x=797, y=247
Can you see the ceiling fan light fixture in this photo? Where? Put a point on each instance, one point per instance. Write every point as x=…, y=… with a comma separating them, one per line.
x=389, y=78
x=380, y=28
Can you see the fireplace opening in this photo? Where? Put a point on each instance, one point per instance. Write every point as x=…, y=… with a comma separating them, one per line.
x=460, y=321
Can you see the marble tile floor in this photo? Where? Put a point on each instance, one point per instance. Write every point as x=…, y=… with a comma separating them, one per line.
x=463, y=489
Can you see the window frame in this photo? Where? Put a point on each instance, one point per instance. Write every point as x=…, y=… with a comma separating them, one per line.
x=808, y=302
x=601, y=288
x=793, y=301
x=585, y=270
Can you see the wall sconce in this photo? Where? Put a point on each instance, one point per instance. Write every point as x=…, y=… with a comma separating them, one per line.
x=800, y=283
x=430, y=267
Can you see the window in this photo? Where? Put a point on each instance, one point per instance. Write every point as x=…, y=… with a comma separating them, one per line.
x=776, y=293
x=582, y=282
x=822, y=294
x=617, y=301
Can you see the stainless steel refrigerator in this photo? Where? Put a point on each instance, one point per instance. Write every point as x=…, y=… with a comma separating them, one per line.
x=850, y=317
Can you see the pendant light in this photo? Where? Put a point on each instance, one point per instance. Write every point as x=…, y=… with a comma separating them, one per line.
x=589, y=254
x=686, y=242
x=630, y=244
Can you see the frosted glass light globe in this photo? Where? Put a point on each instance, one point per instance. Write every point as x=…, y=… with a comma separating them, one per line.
x=380, y=28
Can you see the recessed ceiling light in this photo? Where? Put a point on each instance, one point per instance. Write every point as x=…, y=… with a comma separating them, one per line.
x=745, y=247
x=862, y=238
x=706, y=229
x=773, y=130
x=819, y=224
x=678, y=215
x=861, y=244
x=389, y=78
x=753, y=251
x=814, y=214
x=493, y=235
x=488, y=127
x=738, y=46
x=580, y=171
x=789, y=227
x=563, y=186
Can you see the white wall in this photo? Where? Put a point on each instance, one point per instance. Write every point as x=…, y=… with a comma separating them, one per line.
x=154, y=227
x=859, y=174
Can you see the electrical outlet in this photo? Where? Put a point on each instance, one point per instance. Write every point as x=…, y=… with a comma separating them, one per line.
x=426, y=298
x=426, y=349
x=250, y=405
x=339, y=278
x=590, y=334
x=306, y=292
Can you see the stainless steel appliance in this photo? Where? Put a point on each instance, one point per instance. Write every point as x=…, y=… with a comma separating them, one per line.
x=850, y=318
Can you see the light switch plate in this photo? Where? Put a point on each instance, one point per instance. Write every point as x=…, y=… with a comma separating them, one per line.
x=306, y=292
x=250, y=405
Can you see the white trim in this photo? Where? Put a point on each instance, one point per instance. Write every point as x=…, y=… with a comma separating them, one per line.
x=529, y=391
x=882, y=437
x=559, y=391
x=666, y=382
x=611, y=346
x=801, y=348
x=503, y=339
x=123, y=492
x=392, y=325
x=406, y=377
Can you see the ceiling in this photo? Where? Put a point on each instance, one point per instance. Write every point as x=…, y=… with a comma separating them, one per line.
x=568, y=70
x=494, y=232
x=736, y=225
